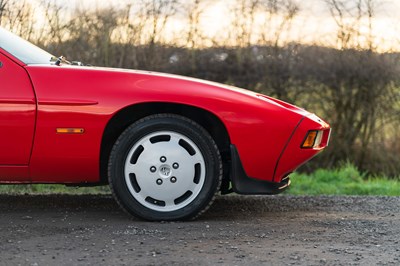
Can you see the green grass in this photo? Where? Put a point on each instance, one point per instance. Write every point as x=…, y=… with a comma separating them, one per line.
x=346, y=180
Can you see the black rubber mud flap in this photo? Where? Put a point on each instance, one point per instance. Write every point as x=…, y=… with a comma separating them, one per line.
x=243, y=184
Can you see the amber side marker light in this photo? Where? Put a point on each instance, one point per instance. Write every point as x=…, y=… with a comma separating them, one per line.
x=70, y=130
x=310, y=140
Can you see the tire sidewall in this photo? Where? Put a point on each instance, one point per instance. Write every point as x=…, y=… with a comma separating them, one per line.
x=152, y=124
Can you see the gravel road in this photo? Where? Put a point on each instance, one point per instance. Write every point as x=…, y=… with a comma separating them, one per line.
x=237, y=230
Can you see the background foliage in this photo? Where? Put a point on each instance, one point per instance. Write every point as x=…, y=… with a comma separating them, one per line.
x=350, y=83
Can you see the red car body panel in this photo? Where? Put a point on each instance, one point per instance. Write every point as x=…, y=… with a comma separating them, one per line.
x=294, y=155
x=17, y=114
x=267, y=133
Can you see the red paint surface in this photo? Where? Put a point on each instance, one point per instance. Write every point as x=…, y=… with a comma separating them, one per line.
x=262, y=128
x=17, y=113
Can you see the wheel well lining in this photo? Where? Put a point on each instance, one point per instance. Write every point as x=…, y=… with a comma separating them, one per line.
x=128, y=115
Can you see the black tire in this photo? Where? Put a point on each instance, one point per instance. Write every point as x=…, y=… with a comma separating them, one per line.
x=146, y=178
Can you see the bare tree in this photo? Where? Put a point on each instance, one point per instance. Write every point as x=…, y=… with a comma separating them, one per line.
x=3, y=4
x=19, y=17
x=371, y=6
x=159, y=12
x=55, y=16
x=194, y=11
x=349, y=17
x=278, y=18
x=244, y=14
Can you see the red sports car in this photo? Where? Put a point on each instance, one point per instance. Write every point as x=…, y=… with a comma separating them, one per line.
x=165, y=144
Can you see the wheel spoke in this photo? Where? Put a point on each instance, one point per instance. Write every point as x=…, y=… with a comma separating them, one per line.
x=130, y=168
x=169, y=170
x=169, y=203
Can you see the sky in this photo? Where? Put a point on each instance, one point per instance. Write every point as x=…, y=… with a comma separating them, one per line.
x=313, y=23
x=386, y=29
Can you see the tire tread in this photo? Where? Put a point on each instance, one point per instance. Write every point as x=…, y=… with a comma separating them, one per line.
x=204, y=133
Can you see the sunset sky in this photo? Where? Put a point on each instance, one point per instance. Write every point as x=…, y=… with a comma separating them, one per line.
x=313, y=24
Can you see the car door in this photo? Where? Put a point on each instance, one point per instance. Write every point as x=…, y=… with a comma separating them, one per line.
x=17, y=115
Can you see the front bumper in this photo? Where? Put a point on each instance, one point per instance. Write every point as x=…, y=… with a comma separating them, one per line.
x=293, y=155
x=243, y=184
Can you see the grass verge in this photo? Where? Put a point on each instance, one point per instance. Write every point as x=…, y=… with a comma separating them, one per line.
x=346, y=180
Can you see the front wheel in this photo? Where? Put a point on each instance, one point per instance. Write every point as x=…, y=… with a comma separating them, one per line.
x=165, y=167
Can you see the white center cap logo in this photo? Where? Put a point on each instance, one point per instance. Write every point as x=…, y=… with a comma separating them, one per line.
x=165, y=171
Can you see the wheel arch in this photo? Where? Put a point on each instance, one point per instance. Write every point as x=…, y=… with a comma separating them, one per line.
x=128, y=115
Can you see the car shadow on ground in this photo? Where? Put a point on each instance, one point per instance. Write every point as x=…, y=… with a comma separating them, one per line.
x=229, y=207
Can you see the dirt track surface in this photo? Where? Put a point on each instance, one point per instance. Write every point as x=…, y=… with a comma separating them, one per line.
x=237, y=230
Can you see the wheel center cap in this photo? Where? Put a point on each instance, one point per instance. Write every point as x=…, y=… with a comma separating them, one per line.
x=165, y=171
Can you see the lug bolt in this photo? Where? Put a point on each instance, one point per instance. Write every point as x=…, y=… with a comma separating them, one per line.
x=175, y=166
x=159, y=181
x=163, y=159
x=173, y=179
x=153, y=169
